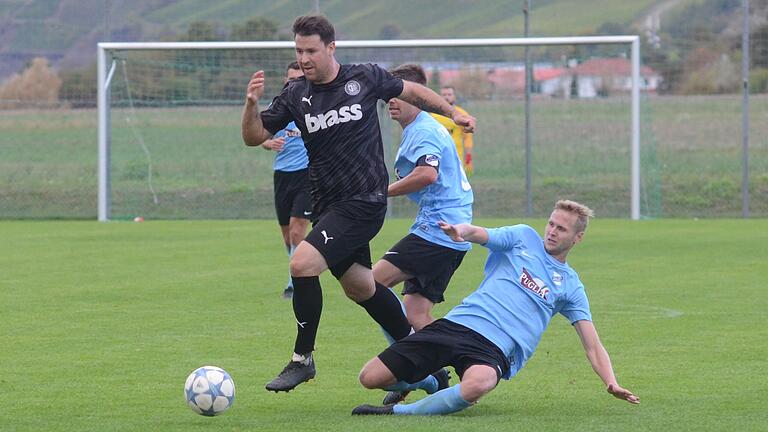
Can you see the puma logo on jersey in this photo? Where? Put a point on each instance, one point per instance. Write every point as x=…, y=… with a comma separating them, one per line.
x=326, y=236
x=331, y=118
x=307, y=100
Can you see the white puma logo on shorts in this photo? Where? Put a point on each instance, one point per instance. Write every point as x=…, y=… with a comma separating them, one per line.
x=326, y=236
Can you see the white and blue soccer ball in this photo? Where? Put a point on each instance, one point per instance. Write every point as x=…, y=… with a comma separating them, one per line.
x=209, y=391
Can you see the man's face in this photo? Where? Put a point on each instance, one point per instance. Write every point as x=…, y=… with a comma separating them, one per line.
x=449, y=95
x=560, y=234
x=292, y=74
x=315, y=58
x=401, y=110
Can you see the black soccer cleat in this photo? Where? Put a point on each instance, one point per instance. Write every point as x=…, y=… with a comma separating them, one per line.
x=292, y=375
x=394, y=397
x=373, y=410
x=443, y=377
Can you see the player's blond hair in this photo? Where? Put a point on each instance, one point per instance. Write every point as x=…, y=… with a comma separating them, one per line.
x=582, y=212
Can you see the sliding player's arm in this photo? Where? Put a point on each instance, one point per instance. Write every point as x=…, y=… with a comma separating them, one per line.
x=601, y=362
x=465, y=232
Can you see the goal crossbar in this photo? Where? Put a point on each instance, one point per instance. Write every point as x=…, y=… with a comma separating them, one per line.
x=104, y=78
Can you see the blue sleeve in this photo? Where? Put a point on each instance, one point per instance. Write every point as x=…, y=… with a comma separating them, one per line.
x=387, y=86
x=504, y=238
x=577, y=306
x=422, y=143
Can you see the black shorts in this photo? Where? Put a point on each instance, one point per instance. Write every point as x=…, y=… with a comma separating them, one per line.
x=430, y=264
x=439, y=344
x=342, y=233
x=292, y=196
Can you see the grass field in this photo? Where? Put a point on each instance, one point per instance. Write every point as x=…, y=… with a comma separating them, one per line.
x=691, y=160
x=101, y=323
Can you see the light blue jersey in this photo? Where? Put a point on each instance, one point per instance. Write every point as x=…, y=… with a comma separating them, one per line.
x=450, y=197
x=294, y=154
x=524, y=287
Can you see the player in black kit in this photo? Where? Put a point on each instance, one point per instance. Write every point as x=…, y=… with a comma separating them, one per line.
x=334, y=107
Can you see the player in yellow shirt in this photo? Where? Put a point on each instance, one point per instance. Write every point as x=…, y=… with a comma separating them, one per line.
x=462, y=139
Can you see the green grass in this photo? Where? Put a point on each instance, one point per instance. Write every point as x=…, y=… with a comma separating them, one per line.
x=101, y=323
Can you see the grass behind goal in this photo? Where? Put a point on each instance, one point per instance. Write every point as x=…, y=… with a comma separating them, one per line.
x=101, y=323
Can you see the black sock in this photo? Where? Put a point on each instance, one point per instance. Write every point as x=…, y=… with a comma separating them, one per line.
x=307, y=307
x=385, y=309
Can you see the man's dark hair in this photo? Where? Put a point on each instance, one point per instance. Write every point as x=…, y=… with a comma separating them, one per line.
x=410, y=72
x=293, y=65
x=308, y=25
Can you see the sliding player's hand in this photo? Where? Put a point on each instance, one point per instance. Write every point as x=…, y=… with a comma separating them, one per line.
x=451, y=231
x=621, y=393
x=255, y=87
x=464, y=120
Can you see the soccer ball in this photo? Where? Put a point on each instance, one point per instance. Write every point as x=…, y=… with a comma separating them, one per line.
x=209, y=391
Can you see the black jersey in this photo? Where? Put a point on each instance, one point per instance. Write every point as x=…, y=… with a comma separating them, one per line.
x=340, y=127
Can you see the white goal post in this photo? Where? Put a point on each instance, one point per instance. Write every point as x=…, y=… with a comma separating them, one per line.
x=106, y=70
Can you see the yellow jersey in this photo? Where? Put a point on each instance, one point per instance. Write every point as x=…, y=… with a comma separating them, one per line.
x=463, y=140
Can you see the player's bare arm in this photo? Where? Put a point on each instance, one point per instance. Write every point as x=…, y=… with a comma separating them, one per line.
x=418, y=179
x=252, y=128
x=427, y=100
x=465, y=232
x=601, y=362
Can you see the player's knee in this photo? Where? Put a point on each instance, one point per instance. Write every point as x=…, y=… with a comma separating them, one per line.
x=478, y=384
x=367, y=379
x=354, y=295
x=376, y=375
x=358, y=292
x=301, y=266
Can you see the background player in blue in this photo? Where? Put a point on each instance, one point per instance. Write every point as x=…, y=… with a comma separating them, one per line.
x=495, y=330
x=291, y=187
x=429, y=171
x=334, y=107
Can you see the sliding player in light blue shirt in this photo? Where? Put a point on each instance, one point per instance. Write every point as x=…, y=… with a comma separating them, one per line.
x=430, y=173
x=495, y=330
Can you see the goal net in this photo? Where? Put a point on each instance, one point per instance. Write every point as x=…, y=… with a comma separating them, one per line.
x=170, y=144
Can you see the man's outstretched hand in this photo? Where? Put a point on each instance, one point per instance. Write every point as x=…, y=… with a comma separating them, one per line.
x=451, y=230
x=621, y=393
